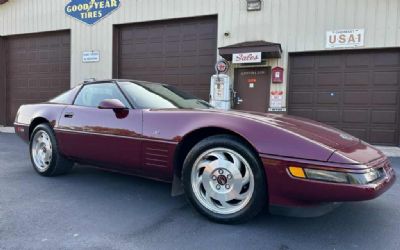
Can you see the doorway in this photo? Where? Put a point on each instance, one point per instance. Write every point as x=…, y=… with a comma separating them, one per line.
x=252, y=86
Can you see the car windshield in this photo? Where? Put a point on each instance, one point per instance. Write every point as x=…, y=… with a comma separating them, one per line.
x=146, y=95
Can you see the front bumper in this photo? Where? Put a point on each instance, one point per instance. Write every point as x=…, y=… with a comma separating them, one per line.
x=286, y=190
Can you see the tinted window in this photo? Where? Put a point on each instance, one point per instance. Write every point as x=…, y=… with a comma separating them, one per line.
x=66, y=97
x=158, y=96
x=92, y=94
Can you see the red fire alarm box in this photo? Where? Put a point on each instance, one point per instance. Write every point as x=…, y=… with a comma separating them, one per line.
x=277, y=75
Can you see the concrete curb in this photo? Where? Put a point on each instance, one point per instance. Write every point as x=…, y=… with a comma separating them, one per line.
x=389, y=151
x=7, y=130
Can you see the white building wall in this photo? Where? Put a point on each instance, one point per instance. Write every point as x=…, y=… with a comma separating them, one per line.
x=299, y=25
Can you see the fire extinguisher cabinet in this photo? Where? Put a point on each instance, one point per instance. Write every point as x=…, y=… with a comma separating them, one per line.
x=277, y=75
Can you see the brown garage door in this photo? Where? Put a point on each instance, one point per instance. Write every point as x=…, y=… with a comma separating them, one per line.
x=179, y=52
x=38, y=68
x=356, y=91
x=2, y=82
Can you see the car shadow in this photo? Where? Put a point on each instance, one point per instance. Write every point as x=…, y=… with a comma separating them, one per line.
x=148, y=198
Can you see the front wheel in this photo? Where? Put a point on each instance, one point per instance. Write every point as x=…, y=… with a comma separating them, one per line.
x=224, y=180
x=45, y=157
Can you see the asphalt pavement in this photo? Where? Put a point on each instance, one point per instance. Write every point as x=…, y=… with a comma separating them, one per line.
x=94, y=209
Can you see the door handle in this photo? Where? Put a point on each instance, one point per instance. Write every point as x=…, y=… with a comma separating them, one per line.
x=69, y=115
x=239, y=100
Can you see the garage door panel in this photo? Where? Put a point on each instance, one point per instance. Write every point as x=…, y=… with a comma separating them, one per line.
x=385, y=98
x=207, y=30
x=125, y=37
x=302, y=98
x=155, y=48
x=384, y=117
x=357, y=79
x=131, y=65
x=178, y=52
x=330, y=62
x=206, y=60
x=327, y=115
x=356, y=97
x=387, y=59
x=207, y=46
x=301, y=80
x=155, y=33
x=189, y=46
x=171, y=49
x=187, y=62
x=386, y=78
x=357, y=60
x=302, y=62
x=172, y=62
x=333, y=78
x=364, y=90
x=141, y=49
x=383, y=136
x=174, y=37
x=355, y=116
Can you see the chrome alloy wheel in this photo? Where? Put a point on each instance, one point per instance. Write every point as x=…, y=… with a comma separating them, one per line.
x=42, y=151
x=222, y=181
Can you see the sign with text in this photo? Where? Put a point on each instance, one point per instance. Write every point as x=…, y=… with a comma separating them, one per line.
x=251, y=57
x=90, y=56
x=276, y=99
x=91, y=11
x=351, y=38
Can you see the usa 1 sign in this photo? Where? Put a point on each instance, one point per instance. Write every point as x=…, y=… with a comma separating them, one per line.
x=91, y=11
x=345, y=38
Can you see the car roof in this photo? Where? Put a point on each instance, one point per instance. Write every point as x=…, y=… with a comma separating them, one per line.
x=122, y=80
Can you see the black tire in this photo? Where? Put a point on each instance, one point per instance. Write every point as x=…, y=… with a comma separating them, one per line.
x=259, y=197
x=58, y=164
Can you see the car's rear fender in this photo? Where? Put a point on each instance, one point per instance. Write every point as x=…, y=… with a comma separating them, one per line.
x=29, y=116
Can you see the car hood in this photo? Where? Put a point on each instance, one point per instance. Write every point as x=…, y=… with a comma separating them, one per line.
x=345, y=147
x=312, y=130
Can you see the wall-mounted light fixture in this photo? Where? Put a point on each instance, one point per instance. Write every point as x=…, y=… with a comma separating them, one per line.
x=253, y=5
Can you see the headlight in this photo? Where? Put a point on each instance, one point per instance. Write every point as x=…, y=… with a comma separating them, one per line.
x=326, y=175
x=368, y=177
x=338, y=177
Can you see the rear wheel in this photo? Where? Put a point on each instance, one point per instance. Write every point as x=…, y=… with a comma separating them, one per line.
x=45, y=157
x=224, y=180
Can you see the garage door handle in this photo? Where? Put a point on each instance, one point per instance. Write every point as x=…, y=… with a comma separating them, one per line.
x=69, y=115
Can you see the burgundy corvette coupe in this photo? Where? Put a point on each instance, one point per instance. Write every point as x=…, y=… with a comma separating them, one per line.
x=229, y=163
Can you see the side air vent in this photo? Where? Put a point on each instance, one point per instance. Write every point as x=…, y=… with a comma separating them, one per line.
x=156, y=156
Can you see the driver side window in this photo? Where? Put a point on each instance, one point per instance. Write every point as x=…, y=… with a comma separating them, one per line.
x=92, y=94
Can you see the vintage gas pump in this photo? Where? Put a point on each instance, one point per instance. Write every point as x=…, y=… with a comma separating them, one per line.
x=220, y=89
x=220, y=92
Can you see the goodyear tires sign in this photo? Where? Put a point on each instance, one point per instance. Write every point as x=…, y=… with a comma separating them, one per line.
x=91, y=11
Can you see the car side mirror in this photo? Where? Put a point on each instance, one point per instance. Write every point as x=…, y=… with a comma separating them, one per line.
x=113, y=104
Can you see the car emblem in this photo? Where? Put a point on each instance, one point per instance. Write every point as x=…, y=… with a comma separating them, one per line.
x=222, y=180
